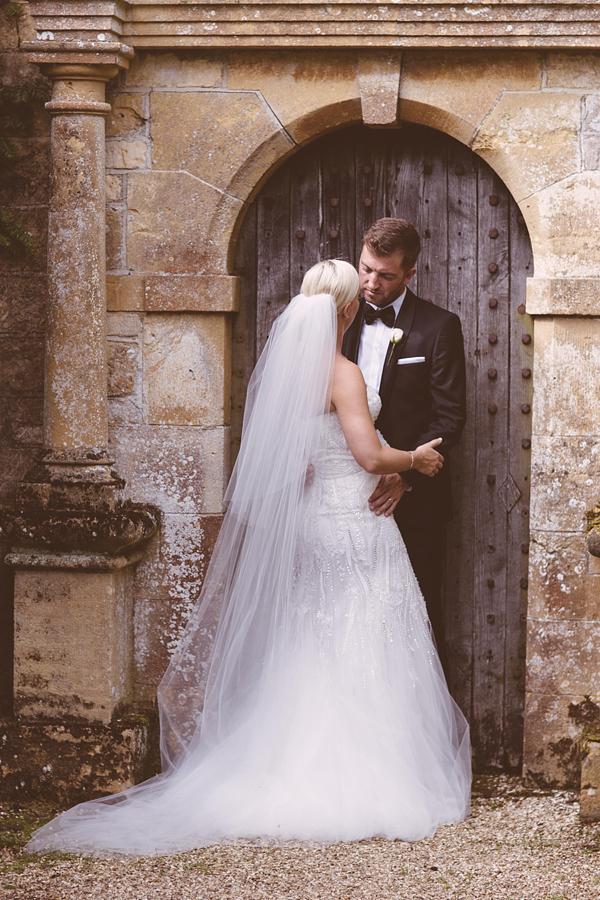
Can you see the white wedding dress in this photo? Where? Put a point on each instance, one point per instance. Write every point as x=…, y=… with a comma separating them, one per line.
x=350, y=734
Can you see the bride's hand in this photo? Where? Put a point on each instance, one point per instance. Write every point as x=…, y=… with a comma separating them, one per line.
x=427, y=459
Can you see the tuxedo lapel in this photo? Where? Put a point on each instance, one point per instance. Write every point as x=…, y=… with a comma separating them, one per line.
x=352, y=336
x=404, y=321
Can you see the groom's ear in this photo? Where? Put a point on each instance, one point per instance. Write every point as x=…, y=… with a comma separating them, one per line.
x=409, y=275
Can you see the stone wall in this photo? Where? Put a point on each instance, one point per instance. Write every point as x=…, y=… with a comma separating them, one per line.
x=190, y=139
x=192, y=136
x=24, y=191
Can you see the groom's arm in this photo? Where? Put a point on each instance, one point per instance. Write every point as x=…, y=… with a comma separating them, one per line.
x=447, y=387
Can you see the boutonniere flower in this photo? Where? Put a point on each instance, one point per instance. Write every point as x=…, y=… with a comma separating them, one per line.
x=396, y=335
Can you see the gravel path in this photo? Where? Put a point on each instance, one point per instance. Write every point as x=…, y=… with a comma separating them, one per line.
x=517, y=845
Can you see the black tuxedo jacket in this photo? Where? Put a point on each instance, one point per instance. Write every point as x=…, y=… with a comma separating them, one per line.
x=421, y=400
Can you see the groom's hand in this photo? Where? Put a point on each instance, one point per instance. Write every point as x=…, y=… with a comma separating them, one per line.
x=386, y=496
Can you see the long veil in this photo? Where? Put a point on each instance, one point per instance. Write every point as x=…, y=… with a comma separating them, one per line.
x=235, y=638
x=250, y=573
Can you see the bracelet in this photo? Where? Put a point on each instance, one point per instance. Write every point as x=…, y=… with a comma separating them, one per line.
x=412, y=460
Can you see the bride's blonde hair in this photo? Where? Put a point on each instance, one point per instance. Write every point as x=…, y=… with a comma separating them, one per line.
x=332, y=276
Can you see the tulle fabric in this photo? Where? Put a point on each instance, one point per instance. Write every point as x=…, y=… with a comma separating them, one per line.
x=326, y=714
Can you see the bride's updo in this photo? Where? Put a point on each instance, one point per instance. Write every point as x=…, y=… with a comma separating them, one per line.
x=332, y=276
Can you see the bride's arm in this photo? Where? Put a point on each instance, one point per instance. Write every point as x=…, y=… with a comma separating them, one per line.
x=349, y=397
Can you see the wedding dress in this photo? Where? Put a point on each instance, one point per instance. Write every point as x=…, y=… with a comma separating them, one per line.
x=343, y=730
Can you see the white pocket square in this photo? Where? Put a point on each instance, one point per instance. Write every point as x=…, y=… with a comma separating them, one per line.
x=410, y=359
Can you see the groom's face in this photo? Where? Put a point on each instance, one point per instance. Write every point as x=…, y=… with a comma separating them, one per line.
x=382, y=278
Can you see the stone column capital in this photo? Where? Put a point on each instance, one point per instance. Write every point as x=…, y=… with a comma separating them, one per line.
x=94, y=60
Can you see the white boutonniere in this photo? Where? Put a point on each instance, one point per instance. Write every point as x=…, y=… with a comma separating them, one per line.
x=396, y=335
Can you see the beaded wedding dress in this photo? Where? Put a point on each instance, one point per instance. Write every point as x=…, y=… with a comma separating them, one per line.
x=343, y=730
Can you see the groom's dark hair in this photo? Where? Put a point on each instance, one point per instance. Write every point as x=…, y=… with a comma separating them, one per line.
x=387, y=236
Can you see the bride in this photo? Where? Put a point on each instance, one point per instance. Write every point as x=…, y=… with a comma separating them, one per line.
x=322, y=712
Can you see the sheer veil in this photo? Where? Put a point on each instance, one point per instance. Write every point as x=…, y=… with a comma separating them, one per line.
x=251, y=568
x=236, y=636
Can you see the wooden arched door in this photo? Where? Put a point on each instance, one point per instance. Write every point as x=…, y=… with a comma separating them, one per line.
x=475, y=259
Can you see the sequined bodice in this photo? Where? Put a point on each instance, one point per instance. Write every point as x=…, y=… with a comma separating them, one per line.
x=335, y=460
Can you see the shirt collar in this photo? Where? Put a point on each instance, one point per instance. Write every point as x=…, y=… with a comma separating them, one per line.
x=396, y=304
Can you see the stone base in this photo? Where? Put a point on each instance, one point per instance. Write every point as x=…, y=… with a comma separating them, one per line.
x=590, y=777
x=71, y=762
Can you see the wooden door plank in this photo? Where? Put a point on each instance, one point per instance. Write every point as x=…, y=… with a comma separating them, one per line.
x=338, y=202
x=272, y=253
x=520, y=393
x=459, y=591
x=405, y=181
x=371, y=183
x=244, y=326
x=305, y=215
x=432, y=219
x=491, y=469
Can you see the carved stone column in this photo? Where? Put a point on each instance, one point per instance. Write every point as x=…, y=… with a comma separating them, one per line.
x=73, y=540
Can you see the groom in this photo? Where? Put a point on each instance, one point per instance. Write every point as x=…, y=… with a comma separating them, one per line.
x=412, y=353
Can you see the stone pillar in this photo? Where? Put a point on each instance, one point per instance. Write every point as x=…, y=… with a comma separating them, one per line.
x=76, y=261
x=73, y=540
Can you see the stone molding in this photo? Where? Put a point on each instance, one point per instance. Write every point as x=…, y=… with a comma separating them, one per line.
x=173, y=293
x=79, y=53
x=79, y=562
x=563, y=296
x=301, y=23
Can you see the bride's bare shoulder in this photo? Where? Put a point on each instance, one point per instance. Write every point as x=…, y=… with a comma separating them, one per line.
x=348, y=381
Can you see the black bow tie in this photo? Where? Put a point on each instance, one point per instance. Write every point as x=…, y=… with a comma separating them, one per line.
x=387, y=315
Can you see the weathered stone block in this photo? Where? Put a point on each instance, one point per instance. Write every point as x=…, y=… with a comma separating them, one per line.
x=192, y=293
x=454, y=91
x=168, y=588
x=309, y=95
x=73, y=644
x=123, y=366
x=35, y=219
x=174, y=565
x=15, y=462
x=187, y=369
x=178, y=224
x=25, y=179
x=590, y=781
x=68, y=764
x=560, y=586
x=563, y=657
x=379, y=84
x=114, y=238
x=590, y=132
x=562, y=222
x=23, y=418
x=228, y=139
x=531, y=140
x=179, y=469
x=565, y=472
x=563, y=297
x=126, y=155
x=566, y=366
x=551, y=753
x=125, y=292
x=124, y=325
x=572, y=70
x=114, y=188
x=128, y=116
x=21, y=365
x=175, y=70
x=22, y=302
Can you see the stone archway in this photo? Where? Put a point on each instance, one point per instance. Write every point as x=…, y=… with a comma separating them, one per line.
x=475, y=260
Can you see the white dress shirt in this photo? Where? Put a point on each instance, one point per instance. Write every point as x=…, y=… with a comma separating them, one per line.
x=374, y=343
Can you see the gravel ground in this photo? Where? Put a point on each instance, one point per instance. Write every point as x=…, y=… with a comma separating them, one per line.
x=518, y=844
